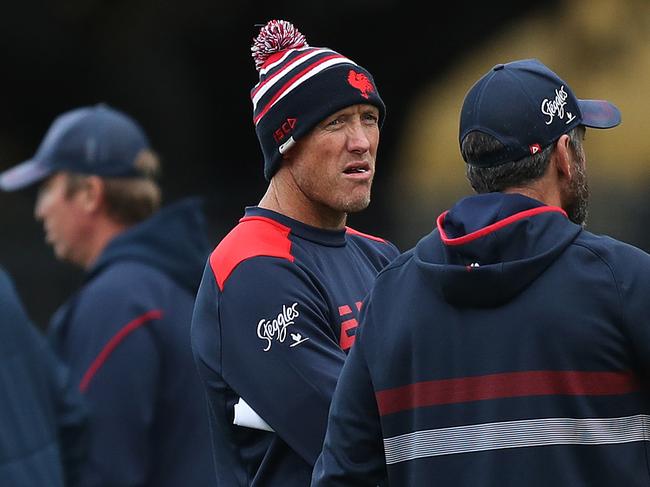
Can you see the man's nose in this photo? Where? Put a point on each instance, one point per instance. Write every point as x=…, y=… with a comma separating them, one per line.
x=358, y=139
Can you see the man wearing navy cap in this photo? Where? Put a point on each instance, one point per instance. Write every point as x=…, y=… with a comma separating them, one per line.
x=510, y=346
x=125, y=333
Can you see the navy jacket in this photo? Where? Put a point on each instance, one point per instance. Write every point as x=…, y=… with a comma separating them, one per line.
x=41, y=413
x=510, y=347
x=126, y=337
x=274, y=317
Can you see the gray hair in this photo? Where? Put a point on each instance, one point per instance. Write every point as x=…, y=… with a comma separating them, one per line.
x=510, y=174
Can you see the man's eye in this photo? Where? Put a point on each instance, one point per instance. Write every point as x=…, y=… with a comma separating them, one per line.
x=371, y=117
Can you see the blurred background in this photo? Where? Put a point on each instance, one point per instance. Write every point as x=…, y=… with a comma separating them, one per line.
x=183, y=69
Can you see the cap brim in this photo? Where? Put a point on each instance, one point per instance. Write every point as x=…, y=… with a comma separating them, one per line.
x=599, y=114
x=23, y=175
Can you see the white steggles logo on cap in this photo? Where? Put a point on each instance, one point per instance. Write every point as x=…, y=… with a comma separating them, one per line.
x=553, y=108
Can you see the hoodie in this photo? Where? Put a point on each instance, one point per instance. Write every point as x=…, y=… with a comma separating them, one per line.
x=42, y=416
x=509, y=347
x=125, y=335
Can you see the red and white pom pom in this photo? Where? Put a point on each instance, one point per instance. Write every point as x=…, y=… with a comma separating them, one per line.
x=276, y=36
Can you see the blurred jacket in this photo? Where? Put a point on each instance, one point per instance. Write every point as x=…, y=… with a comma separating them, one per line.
x=41, y=414
x=126, y=337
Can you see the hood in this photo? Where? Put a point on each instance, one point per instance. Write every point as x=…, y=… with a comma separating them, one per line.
x=174, y=240
x=490, y=247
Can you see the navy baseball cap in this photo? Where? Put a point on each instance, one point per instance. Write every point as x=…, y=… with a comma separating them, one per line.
x=527, y=107
x=95, y=140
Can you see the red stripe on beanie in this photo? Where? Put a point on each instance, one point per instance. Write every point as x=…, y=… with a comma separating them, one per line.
x=289, y=83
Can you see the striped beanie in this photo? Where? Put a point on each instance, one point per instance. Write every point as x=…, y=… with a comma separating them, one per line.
x=299, y=87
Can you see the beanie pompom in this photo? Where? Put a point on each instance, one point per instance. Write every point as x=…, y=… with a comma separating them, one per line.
x=276, y=36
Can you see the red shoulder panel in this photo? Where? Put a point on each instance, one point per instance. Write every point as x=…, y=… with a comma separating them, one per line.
x=254, y=236
x=352, y=231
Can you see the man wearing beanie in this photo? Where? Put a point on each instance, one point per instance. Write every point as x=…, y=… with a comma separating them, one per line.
x=278, y=306
x=511, y=346
x=125, y=333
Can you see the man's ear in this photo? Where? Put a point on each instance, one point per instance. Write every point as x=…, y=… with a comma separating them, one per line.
x=93, y=196
x=294, y=149
x=562, y=158
x=288, y=155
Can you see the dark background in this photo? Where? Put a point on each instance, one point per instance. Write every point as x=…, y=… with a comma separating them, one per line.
x=184, y=70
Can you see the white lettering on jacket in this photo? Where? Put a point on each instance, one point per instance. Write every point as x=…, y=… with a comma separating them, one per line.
x=276, y=329
x=553, y=108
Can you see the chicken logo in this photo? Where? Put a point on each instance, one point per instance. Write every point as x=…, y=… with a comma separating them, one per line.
x=361, y=82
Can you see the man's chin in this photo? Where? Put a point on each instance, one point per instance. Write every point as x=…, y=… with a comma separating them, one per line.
x=61, y=254
x=357, y=205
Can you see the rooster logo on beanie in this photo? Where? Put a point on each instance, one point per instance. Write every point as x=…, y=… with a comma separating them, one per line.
x=300, y=86
x=361, y=82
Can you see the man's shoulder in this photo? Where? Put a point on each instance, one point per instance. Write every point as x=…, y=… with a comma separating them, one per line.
x=614, y=252
x=5, y=280
x=124, y=288
x=16, y=330
x=395, y=276
x=125, y=276
x=7, y=291
x=372, y=243
x=356, y=233
x=252, y=237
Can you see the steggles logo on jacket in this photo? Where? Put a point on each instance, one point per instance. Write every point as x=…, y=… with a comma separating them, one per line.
x=276, y=329
x=361, y=82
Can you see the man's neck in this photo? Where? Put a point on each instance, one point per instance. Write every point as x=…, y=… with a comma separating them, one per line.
x=547, y=194
x=291, y=202
x=105, y=231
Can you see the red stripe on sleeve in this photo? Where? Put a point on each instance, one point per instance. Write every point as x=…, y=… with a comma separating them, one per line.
x=114, y=342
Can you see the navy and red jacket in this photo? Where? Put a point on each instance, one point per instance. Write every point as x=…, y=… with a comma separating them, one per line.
x=274, y=318
x=42, y=418
x=510, y=347
x=126, y=338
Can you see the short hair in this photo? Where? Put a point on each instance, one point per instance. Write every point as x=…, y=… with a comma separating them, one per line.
x=129, y=200
x=477, y=145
